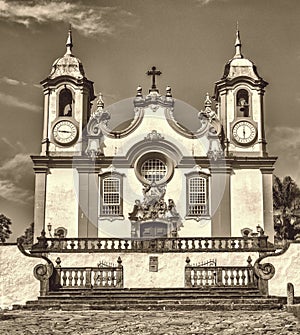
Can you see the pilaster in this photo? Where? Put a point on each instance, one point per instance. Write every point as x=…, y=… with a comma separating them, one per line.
x=221, y=203
x=267, y=185
x=40, y=200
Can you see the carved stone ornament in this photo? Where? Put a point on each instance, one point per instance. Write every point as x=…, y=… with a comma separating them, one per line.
x=43, y=272
x=215, y=150
x=154, y=136
x=98, y=120
x=153, y=206
x=264, y=271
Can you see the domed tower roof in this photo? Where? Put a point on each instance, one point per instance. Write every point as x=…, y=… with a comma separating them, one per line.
x=68, y=64
x=239, y=66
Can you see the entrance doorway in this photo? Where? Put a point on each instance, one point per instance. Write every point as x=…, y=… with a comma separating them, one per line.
x=153, y=230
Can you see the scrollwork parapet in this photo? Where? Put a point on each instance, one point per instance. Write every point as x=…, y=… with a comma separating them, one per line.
x=265, y=271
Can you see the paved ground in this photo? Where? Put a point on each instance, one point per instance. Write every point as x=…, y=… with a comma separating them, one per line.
x=157, y=323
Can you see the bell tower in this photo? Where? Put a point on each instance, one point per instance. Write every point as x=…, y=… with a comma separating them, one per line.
x=240, y=99
x=67, y=104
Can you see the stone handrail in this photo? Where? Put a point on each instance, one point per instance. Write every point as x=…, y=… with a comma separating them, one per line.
x=178, y=244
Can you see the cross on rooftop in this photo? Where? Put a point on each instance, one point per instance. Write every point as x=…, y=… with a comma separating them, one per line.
x=153, y=72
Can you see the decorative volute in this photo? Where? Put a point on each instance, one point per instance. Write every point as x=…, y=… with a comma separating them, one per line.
x=68, y=64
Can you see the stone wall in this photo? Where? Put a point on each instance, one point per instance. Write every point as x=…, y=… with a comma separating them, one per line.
x=170, y=265
x=287, y=270
x=17, y=283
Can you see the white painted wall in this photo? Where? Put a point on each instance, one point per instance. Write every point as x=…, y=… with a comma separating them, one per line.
x=246, y=200
x=287, y=270
x=61, y=200
x=17, y=283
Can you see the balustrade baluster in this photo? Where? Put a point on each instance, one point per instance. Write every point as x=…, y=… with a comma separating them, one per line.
x=232, y=277
x=213, y=243
x=246, y=243
x=179, y=244
x=64, y=278
x=106, y=245
x=220, y=244
x=226, y=278
x=99, y=244
x=81, y=278
x=243, y=277
x=232, y=244
x=237, y=277
x=79, y=244
x=193, y=244
x=70, y=279
x=126, y=244
x=72, y=244
x=112, y=244
x=75, y=278
x=202, y=277
x=88, y=278
x=97, y=277
x=240, y=244
x=120, y=245
x=206, y=244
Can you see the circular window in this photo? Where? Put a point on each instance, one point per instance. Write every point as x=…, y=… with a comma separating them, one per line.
x=154, y=170
x=154, y=167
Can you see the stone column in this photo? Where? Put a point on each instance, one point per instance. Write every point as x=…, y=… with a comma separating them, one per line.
x=220, y=200
x=267, y=185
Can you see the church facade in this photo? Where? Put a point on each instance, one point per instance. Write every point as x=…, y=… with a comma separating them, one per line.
x=153, y=177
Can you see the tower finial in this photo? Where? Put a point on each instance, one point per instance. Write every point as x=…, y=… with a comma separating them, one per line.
x=100, y=102
x=69, y=43
x=238, y=43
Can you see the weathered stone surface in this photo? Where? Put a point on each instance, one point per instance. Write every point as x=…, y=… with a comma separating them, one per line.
x=17, y=283
x=158, y=323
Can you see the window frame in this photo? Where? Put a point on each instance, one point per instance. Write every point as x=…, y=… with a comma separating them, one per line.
x=102, y=213
x=189, y=178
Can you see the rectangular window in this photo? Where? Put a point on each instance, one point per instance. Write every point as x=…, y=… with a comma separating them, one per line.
x=111, y=204
x=197, y=196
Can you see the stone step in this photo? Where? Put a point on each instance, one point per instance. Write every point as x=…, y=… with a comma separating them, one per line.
x=177, y=292
x=151, y=300
x=75, y=306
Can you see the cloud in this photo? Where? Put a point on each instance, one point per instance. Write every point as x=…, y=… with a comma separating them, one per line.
x=12, y=101
x=284, y=142
x=206, y=2
x=16, y=179
x=88, y=20
x=11, y=81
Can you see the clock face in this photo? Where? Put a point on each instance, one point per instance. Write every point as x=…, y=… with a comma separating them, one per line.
x=244, y=132
x=65, y=132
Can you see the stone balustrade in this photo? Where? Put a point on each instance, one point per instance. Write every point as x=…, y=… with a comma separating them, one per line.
x=179, y=244
x=103, y=276
x=220, y=276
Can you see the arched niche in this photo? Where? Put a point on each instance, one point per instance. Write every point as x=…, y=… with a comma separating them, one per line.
x=65, y=104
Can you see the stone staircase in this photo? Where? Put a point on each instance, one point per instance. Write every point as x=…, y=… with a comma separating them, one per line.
x=144, y=299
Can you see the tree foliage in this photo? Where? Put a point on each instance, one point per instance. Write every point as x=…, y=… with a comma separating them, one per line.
x=5, y=231
x=27, y=237
x=286, y=203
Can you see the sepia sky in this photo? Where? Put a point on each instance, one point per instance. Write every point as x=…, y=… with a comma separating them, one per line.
x=118, y=41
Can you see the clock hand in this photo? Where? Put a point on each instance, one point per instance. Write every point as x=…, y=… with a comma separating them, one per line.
x=244, y=132
x=64, y=131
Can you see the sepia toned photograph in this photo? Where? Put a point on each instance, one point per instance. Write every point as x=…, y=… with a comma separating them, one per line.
x=150, y=167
